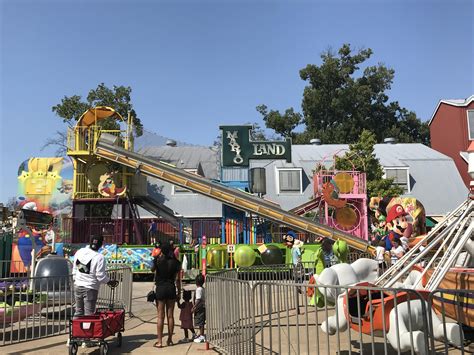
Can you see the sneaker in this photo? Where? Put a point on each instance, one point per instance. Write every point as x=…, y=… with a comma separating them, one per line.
x=200, y=339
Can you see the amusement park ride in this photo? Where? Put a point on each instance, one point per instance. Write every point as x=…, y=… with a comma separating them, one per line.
x=426, y=267
x=108, y=174
x=105, y=167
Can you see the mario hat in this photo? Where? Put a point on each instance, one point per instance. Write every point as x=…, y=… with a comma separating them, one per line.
x=289, y=237
x=395, y=212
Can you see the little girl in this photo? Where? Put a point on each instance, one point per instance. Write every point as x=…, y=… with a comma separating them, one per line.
x=186, y=316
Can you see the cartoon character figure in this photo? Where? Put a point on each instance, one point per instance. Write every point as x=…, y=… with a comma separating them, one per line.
x=413, y=207
x=331, y=195
x=108, y=188
x=396, y=223
x=381, y=229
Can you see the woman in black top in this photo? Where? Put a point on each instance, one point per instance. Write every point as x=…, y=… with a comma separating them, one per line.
x=168, y=287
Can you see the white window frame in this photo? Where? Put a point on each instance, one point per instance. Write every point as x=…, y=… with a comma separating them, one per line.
x=277, y=176
x=407, y=169
x=189, y=192
x=468, y=125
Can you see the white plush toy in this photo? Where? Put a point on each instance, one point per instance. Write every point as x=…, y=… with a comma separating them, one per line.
x=366, y=270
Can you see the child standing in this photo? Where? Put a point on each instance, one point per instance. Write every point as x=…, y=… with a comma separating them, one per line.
x=380, y=256
x=199, y=309
x=186, y=316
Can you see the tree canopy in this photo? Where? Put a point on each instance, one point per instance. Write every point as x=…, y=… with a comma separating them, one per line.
x=119, y=97
x=337, y=105
x=361, y=157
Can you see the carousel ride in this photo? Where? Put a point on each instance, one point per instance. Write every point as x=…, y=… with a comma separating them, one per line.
x=432, y=263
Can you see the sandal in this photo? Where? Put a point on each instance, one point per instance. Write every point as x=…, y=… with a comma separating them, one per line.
x=169, y=342
x=157, y=346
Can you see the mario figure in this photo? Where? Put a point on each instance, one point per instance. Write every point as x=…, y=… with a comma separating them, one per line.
x=396, y=223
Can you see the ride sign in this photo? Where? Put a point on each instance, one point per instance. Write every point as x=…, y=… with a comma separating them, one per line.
x=238, y=148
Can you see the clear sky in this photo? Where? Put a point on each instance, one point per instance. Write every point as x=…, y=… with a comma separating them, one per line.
x=194, y=65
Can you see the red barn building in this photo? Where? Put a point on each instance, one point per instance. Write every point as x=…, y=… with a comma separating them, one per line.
x=452, y=130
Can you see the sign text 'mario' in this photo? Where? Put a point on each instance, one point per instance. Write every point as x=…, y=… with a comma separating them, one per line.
x=238, y=149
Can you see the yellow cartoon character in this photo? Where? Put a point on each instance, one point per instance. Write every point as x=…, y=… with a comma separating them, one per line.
x=40, y=178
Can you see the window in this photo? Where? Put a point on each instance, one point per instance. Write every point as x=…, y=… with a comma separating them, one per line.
x=470, y=124
x=289, y=180
x=401, y=177
x=180, y=190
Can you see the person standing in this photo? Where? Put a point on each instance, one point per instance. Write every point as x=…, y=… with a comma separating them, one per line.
x=186, y=316
x=168, y=287
x=152, y=231
x=380, y=256
x=89, y=272
x=397, y=250
x=199, y=308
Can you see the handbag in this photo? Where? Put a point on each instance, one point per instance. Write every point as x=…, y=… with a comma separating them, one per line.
x=151, y=296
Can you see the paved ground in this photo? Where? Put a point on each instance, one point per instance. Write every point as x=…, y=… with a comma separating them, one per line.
x=139, y=335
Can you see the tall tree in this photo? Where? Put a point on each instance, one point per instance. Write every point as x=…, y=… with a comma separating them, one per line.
x=72, y=107
x=119, y=97
x=337, y=104
x=361, y=157
x=283, y=124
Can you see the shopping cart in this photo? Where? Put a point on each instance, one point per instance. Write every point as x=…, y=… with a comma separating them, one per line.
x=94, y=329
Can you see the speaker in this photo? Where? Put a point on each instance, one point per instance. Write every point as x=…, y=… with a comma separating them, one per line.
x=257, y=181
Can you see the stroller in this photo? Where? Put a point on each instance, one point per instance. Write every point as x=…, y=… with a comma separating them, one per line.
x=95, y=328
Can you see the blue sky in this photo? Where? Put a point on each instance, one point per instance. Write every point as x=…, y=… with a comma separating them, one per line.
x=194, y=65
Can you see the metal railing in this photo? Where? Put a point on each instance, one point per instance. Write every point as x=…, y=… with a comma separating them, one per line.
x=270, y=313
x=12, y=268
x=39, y=307
x=34, y=307
x=121, y=296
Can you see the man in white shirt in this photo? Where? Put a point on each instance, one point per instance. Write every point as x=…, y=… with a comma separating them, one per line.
x=89, y=273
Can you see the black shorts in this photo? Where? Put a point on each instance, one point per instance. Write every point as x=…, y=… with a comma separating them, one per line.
x=200, y=318
x=166, y=292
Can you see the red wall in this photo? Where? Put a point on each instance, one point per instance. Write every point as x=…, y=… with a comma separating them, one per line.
x=449, y=134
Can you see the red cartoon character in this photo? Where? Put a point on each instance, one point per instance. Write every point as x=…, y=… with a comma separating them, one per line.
x=396, y=224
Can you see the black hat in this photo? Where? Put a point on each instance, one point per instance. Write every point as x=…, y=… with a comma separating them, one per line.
x=96, y=242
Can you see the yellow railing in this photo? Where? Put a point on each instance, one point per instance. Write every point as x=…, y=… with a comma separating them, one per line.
x=82, y=140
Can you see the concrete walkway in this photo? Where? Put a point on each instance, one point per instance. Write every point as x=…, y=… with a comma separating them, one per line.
x=138, y=338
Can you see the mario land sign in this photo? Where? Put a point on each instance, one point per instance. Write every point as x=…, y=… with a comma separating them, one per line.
x=238, y=148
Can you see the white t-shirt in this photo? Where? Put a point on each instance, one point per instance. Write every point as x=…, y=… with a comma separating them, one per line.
x=395, y=252
x=379, y=254
x=93, y=267
x=404, y=241
x=200, y=294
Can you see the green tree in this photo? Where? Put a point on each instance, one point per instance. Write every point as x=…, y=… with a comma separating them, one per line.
x=283, y=124
x=361, y=157
x=119, y=97
x=340, y=101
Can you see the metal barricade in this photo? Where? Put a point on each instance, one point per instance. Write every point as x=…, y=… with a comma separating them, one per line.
x=38, y=307
x=12, y=268
x=451, y=307
x=34, y=307
x=272, y=312
x=121, y=296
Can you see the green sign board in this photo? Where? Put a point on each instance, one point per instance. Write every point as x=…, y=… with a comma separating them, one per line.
x=238, y=148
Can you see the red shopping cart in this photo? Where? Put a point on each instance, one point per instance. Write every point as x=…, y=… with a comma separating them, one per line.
x=94, y=329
